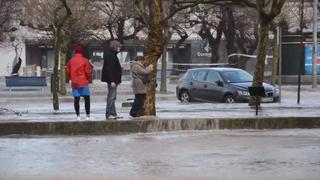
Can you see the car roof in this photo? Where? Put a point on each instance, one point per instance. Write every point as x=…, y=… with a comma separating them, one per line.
x=220, y=69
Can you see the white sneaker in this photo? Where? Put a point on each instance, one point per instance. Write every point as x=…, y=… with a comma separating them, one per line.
x=111, y=117
x=118, y=117
x=115, y=117
x=78, y=118
x=90, y=118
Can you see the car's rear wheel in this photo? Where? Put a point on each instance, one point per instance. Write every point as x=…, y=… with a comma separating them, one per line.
x=229, y=99
x=184, y=96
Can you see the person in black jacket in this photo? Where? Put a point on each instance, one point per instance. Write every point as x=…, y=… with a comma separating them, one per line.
x=111, y=74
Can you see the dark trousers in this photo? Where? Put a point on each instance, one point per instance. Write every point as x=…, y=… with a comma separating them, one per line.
x=86, y=104
x=137, y=105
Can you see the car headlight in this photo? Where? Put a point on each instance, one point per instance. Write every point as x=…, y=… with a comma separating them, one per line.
x=243, y=93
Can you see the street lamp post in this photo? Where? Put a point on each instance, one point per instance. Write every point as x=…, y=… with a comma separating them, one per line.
x=315, y=44
x=279, y=44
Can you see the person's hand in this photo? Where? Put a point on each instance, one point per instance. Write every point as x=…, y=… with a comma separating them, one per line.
x=113, y=84
x=151, y=66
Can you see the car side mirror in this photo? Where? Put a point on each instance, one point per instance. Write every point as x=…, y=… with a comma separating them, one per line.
x=219, y=83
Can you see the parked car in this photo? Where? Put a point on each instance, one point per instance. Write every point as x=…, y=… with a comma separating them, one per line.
x=229, y=85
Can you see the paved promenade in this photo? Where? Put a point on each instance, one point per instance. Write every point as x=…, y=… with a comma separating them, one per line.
x=36, y=105
x=22, y=111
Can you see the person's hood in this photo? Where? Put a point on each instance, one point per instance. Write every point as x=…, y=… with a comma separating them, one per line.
x=135, y=63
x=114, y=45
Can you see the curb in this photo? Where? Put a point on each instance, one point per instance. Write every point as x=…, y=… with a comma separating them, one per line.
x=150, y=124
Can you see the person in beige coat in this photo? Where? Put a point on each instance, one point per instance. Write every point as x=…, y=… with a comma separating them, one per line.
x=139, y=74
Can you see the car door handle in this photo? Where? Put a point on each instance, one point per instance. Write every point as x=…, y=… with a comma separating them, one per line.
x=205, y=86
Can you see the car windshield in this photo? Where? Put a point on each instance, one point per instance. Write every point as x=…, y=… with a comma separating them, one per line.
x=236, y=76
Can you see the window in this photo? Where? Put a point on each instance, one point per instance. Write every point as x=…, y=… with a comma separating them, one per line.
x=97, y=56
x=123, y=57
x=236, y=76
x=139, y=53
x=199, y=75
x=185, y=76
x=212, y=76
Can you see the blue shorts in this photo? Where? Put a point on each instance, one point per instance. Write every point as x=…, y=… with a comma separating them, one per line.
x=84, y=91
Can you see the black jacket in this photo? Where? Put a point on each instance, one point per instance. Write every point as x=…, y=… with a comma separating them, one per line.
x=111, y=70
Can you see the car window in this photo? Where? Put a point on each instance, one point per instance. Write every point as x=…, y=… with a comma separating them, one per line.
x=199, y=75
x=185, y=76
x=236, y=76
x=212, y=76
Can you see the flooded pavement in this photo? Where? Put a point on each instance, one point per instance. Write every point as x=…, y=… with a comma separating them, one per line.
x=223, y=154
x=40, y=109
x=166, y=109
x=30, y=107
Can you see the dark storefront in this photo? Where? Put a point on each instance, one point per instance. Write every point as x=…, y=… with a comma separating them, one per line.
x=293, y=52
x=41, y=53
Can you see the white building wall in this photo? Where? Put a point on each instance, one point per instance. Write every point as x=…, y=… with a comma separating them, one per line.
x=7, y=55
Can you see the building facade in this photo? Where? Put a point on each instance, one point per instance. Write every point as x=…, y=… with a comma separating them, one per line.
x=40, y=53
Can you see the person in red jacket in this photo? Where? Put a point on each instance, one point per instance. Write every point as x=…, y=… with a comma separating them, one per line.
x=79, y=72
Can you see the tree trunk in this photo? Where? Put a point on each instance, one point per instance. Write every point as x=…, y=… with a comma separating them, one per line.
x=215, y=52
x=163, y=84
x=275, y=60
x=247, y=47
x=214, y=43
x=63, y=60
x=229, y=32
x=153, y=50
x=262, y=50
x=55, y=77
x=58, y=26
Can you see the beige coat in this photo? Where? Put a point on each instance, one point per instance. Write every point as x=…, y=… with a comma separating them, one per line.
x=138, y=71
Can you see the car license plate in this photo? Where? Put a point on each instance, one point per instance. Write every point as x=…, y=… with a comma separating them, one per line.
x=269, y=99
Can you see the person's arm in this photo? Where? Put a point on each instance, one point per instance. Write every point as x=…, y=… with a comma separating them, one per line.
x=144, y=71
x=68, y=70
x=88, y=70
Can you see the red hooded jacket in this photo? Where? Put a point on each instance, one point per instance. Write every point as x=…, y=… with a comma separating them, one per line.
x=79, y=71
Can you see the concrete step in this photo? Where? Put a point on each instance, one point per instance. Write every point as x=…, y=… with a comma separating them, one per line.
x=152, y=124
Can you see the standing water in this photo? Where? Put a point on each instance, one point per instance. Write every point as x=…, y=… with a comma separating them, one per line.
x=240, y=154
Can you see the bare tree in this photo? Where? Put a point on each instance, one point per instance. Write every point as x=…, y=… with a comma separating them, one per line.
x=118, y=21
x=51, y=17
x=9, y=10
x=267, y=11
x=293, y=18
x=59, y=33
x=236, y=24
x=152, y=16
x=247, y=36
x=89, y=19
x=79, y=28
x=207, y=21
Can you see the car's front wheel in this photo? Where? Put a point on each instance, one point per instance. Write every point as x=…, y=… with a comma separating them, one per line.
x=229, y=99
x=185, y=97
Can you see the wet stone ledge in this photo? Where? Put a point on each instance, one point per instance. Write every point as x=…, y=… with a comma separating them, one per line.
x=154, y=125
